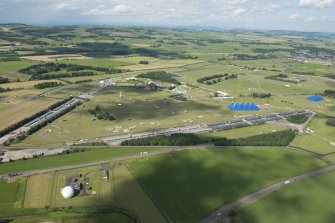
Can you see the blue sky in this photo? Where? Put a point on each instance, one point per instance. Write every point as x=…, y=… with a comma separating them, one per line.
x=302, y=15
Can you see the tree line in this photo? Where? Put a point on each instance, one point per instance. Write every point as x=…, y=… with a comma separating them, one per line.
x=177, y=139
x=216, y=78
x=329, y=93
x=4, y=89
x=4, y=80
x=64, y=75
x=40, y=71
x=282, y=138
x=48, y=84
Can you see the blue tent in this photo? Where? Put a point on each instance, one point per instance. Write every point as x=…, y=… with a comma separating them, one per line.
x=315, y=98
x=243, y=107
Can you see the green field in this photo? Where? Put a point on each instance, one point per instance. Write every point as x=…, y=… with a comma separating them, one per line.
x=321, y=140
x=121, y=190
x=92, y=155
x=307, y=201
x=12, y=193
x=189, y=185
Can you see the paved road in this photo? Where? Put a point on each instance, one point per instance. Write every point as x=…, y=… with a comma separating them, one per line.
x=117, y=159
x=215, y=217
x=200, y=128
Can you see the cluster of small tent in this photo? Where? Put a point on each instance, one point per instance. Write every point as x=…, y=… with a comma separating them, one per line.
x=243, y=107
x=315, y=98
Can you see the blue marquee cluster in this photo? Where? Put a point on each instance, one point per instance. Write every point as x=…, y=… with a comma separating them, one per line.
x=315, y=98
x=243, y=107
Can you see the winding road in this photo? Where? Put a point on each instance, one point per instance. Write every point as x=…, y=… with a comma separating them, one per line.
x=216, y=216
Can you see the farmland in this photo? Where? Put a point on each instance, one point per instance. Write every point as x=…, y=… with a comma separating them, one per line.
x=138, y=79
x=215, y=176
x=293, y=204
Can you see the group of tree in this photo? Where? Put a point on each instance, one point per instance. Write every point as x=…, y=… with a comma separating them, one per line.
x=282, y=138
x=143, y=62
x=48, y=84
x=297, y=119
x=160, y=76
x=261, y=95
x=329, y=93
x=284, y=78
x=4, y=80
x=250, y=57
x=83, y=81
x=216, y=78
x=330, y=122
x=26, y=120
x=64, y=75
x=177, y=139
x=37, y=70
x=4, y=89
x=101, y=114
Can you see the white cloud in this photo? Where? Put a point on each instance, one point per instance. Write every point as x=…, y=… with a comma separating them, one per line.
x=316, y=3
x=104, y=10
x=316, y=19
x=238, y=12
x=62, y=5
x=311, y=19
x=272, y=8
x=122, y=8
x=294, y=16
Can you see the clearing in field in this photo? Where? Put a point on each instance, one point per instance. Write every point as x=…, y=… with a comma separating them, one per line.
x=38, y=191
x=191, y=184
x=318, y=137
x=308, y=201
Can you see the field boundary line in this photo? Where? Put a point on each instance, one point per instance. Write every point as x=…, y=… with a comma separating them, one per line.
x=146, y=191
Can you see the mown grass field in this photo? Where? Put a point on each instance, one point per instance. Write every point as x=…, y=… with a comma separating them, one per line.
x=93, y=155
x=307, y=201
x=321, y=141
x=12, y=194
x=38, y=191
x=191, y=184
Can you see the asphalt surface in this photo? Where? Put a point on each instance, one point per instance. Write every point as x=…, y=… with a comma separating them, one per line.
x=215, y=217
